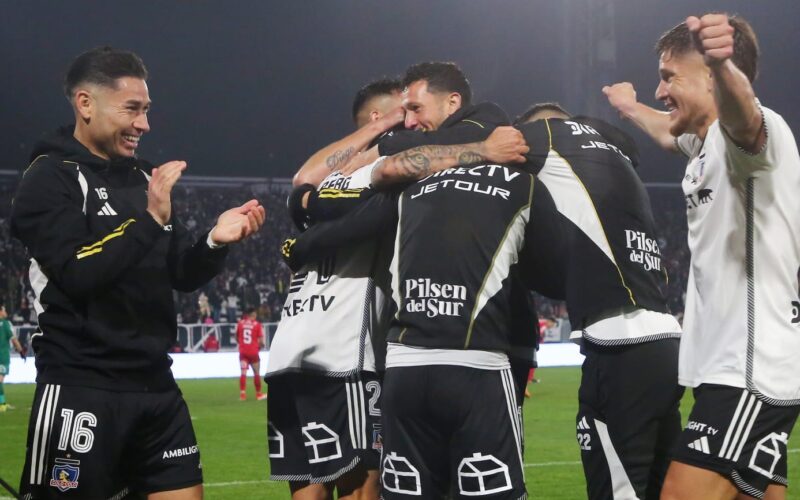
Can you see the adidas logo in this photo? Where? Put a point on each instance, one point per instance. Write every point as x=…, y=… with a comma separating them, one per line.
x=583, y=424
x=700, y=445
x=297, y=282
x=106, y=210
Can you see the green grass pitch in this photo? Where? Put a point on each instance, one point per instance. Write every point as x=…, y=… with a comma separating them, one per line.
x=232, y=438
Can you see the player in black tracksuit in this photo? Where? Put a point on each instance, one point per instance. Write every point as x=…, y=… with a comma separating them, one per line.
x=103, y=271
x=106, y=255
x=613, y=277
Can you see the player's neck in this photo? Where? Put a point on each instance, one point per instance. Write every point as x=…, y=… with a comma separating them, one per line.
x=704, y=123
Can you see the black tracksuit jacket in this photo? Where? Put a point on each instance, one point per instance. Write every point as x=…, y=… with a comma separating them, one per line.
x=102, y=268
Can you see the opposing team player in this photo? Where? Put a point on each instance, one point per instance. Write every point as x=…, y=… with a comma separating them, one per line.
x=106, y=254
x=323, y=374
x=740, y=345
x=6, y=338
x=250, y=337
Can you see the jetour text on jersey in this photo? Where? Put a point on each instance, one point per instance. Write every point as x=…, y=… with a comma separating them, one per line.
x=497, y=172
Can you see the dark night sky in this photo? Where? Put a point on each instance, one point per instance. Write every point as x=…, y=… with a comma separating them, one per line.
x=254, y=87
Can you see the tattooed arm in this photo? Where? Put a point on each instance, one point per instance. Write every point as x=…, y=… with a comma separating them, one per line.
x=335, y=155
x=504, y=145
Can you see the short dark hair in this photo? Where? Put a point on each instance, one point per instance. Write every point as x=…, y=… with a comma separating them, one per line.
x=102, y=66
x=441, y=77
x=679, y=40
x=538, y=108
x=382, y=86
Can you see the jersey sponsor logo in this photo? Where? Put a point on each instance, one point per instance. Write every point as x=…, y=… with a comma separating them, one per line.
x=795, y=311
x=180, y=452
x=337, y=181
x=480, y=475
x=700, y=166
x=495, y=171
x=701, y=445
x=434, y=299
x=463, y=186
x=581, y=128
x=309, y=304
x=643, y=250
x=606, y=146
x=65, y=474
x=400, y=476
x=702, y=197
x=106, y=210
x=701, y=427
x=767, y=453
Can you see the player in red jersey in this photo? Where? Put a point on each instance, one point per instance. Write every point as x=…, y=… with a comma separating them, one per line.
x=250, y=337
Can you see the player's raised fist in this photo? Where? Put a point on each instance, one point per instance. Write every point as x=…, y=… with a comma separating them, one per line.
x=713, y=37
x=622, y=96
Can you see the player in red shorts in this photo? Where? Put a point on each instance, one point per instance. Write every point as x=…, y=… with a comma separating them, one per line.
x=250, y=337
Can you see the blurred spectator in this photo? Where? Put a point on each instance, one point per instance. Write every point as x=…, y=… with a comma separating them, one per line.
x=211, y=343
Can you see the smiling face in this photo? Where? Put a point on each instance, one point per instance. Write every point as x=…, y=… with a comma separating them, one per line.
x=112, y=120
x=687, y=90
x=427, y=110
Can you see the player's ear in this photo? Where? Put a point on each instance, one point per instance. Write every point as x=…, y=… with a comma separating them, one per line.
x=453, y=102
x=83, y=102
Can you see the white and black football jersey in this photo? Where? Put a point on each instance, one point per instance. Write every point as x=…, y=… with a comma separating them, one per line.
x=335, y=317
x=611, y=269
x=742, y=324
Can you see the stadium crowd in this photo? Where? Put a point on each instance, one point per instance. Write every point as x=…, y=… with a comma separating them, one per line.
x=256, y=275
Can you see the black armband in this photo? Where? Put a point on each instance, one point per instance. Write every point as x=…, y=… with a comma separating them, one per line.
x=300, y=216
